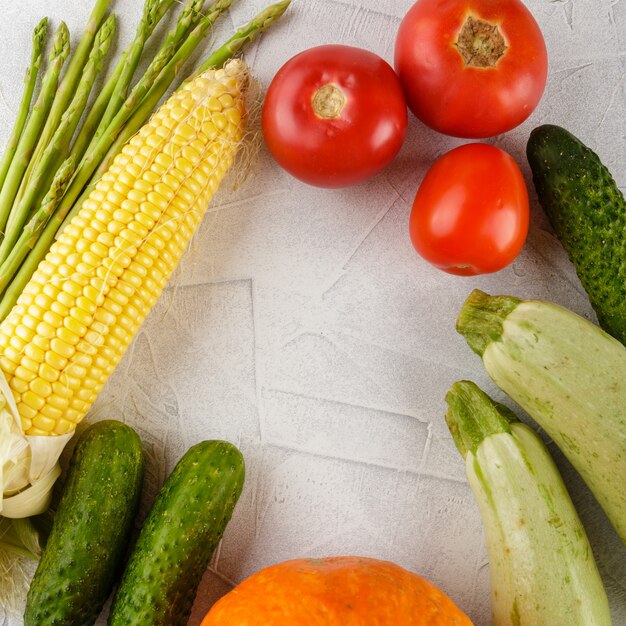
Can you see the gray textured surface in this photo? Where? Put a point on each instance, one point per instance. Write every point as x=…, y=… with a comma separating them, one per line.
x=302, y=326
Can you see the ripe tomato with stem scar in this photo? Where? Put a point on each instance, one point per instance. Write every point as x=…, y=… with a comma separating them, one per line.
x=471, y=68
x=334, y=115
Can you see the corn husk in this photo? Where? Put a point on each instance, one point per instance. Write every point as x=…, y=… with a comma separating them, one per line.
x=29, y=465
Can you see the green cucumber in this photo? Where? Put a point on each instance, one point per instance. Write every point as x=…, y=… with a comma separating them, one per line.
x=183, y=528
x=588, y=213
x=541, y=565
x=91, y=528
x=568, y=375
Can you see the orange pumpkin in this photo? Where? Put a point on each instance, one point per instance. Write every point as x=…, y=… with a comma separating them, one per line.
x=337, y=591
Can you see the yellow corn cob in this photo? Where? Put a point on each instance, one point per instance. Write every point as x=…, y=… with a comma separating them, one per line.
x=84, y=304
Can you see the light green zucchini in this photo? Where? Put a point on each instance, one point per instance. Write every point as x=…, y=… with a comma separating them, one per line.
x=568, y=375
x=541, y=566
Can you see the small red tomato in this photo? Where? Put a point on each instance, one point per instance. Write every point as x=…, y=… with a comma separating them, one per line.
x=471, y=68
x=470, y=214
x=334, y=115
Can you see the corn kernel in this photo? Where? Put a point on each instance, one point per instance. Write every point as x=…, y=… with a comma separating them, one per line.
x=153, y=141
x=8, y=366
x=59, y=308
x=52, y=319
x=58, y=402
x=51, y=412
x=66, y=425
x=32, y=400
x=86, y=347
x=47, y=372
x=45, y=330
x=72, y=288
x=33, y=352
x=77, y=370
x=60, y=349
x=29, y=364
x=25, y=411
x=24, y=333
x=40, y=387
x=39, y=342
x=66, y=299
x=66, y=335
x=25, y=374
x=86, y=305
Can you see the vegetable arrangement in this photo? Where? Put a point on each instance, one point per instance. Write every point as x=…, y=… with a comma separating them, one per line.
x=474, y=69
x=98, y=202
x=95, y=220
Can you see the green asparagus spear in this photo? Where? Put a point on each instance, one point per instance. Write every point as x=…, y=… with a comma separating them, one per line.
x=67, y=87
x=244, y=35
x=31, y=231
x=39, y=36
x=153, y=12
x=57, y=149
x=92, y=123
x=30, y=135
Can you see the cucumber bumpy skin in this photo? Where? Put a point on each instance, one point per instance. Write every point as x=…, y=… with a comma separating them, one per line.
x=185, y=524
x=588, y=213
x=91, y=529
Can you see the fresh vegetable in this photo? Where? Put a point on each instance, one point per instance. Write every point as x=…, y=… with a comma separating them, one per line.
x=91, y=528
x=568, y=375
x=588, y=213
x=335, y=591
x=470, y=214
x=28, y=469
x=471, y=68
x=30, y=80
x=84, y=304
x=541, y=565
x=17, y=160
x=68, y=84
x=334, y=115
x=183, y=528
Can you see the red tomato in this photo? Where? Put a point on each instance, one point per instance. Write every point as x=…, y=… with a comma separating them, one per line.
x=471, y=68
x=470, y=214
x=334, y=115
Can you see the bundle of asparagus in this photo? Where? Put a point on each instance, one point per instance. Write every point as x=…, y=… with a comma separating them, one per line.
x=61, y=146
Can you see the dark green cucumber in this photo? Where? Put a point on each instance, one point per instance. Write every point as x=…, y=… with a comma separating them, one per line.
x=588, y=213
x=91, y=529
x=185, y=524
